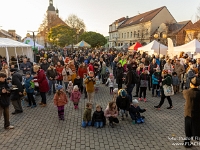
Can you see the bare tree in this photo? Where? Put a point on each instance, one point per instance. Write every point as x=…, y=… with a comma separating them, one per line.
x=143, y=33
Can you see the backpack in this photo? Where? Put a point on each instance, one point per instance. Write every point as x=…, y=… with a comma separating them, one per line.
x=135, y=77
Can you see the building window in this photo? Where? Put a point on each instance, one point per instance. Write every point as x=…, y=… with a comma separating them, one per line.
x=127, y=34
x=138, y=35
x=147, y=32
x=131, y=34
x=134, y=33
x=122, y=36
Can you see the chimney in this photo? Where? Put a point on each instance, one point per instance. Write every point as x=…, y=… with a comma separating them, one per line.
x=126, y=17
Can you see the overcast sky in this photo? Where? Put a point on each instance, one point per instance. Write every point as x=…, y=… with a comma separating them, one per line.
x=23, y=15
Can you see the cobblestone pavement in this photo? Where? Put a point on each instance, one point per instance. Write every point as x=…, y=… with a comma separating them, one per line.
x=39, y=128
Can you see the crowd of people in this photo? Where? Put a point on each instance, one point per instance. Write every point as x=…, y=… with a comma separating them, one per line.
x=70, y=73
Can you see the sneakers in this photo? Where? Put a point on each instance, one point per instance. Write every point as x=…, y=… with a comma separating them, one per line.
x=140, y=99
x=33, y=106
x=43, y=105
x=158, y=107
x=10, y=127
x=145, y=99
x=170, y=107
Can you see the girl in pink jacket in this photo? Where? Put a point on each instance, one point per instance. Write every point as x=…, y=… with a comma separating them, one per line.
x=111, y=113
x=75, y=96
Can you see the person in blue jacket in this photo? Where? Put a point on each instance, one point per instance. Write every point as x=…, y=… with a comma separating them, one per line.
x=29, y=86
x=156, y=79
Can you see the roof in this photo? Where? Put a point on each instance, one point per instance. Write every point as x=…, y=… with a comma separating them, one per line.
x=119, y=20
x=6, y=42
x=5, y=33
x=195, y=26
x=176, y=27
x=144, y=17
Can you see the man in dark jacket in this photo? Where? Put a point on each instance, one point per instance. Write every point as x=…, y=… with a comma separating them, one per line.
x=44, y=65
x=25, y=66
x=16, y=92
x=4, y=101
x=51, y=75
x=123, y=103
x=130, y=81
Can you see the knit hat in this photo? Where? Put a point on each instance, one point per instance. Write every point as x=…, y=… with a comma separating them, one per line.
x=111, y=74
x=195, y=81
x=115, y=90
x=123, y=93
x=59, y=87
x=135, y=101
x=75, y=87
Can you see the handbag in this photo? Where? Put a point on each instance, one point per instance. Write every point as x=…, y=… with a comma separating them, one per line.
x=168, y=90
x=143, y=83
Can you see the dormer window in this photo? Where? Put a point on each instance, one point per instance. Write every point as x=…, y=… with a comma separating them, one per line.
x=141, y=19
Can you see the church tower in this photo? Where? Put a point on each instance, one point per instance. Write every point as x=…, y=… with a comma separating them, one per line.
x=51, y=9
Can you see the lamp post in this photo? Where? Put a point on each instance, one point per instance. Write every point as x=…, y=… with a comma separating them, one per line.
x=159, y=36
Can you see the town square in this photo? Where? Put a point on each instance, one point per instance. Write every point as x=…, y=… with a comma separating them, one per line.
x=99, y=75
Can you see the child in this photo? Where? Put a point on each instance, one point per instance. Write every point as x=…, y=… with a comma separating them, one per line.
x=111, y=113
x=110, y=82
x=84, y=88
x=135, y=111
x=75, y=96
x=175, y=82
x=123, y=103
x=87, y=115
x=70, y=88
x=98, y=118
x=97, y=84
x=90, y=82
x=156, y=79
x=60, y=99
x=29, y=86
x=78, y=82
x=115, y=94
x=144, y=79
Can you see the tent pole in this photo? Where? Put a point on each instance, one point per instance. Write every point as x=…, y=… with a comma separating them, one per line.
x=17, y=58
x=7, y=56
x=23, y=51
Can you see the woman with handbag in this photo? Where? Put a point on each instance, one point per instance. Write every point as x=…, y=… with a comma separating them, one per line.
x=166, y=82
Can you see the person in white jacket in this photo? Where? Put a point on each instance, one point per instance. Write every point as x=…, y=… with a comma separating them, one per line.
x=110, y=83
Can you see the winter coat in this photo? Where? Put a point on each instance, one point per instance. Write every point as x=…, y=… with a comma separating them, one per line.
x=123, y=103
x=98, y=116
x=151, y=68
x=144, y=77
x=70, y=88
x=75, y=96
x=156, y=78
x=103, y=70
x=67, y=74
x=27, y=66
x=166, y=81
x=168, y=66
x=51, y=73
x=44, y=66
x=119, y=74
x=175, y=80
x=60, y=100
x=59, y=70
x=108, y=113
x=78, y=82
x=42, y=81
x=89, y=84
x=190, y=74
x=135, y=112
x=82, y=71
x=87, y=115
x=192, y=109
x=17, y=81
x=28, y=85
x=179, y=69
x=4, y=96
x=110, y=82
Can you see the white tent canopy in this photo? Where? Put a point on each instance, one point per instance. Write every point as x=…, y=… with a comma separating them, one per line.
x=191, y=47
x=153, y=47
x=30, y=41
x=9, y=47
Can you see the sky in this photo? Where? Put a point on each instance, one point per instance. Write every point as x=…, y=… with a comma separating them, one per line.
x=24, y=15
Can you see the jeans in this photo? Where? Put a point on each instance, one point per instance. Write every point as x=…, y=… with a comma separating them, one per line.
x=52, y=82
x=31, y=99
x=98, y=124
x=66, y=85
x=43, y=96
x=157, y=87
x=84, y=123
x=5, y=112
x=130, y=90
x=17, y=105
x=59, y=82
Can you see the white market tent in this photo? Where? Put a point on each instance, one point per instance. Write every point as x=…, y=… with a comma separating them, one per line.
x=191, y=47
x=9, y=47
x=30, y=41
x=153, y=47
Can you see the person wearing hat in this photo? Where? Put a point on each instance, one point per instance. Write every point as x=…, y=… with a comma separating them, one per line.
x=60, y=100
x=135, y=111
x=167, y=80
x=192, y=111
x=123, y=103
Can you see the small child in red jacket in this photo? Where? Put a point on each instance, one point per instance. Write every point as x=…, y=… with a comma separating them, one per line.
x=75, y=96
x=60, y=99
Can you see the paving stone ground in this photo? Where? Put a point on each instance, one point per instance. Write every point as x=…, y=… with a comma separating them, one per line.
x=40, y=129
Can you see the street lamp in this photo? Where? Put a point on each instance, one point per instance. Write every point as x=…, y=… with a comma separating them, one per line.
x=159, y=36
